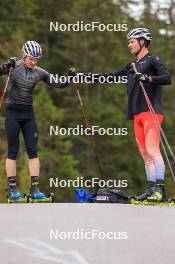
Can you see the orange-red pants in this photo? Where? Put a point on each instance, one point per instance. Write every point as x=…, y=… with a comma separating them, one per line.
x=148, y=142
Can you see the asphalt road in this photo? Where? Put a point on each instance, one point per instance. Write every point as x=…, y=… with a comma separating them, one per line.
x=86, y=234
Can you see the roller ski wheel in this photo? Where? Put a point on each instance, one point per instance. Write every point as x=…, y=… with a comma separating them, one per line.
x=167, y=202
x=16, y=197
x=40, y=199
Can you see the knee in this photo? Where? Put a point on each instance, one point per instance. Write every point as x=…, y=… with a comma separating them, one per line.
x=12, y=153
x=147, y=158
x=154, y=153
x=32, y=153
x=12, y=156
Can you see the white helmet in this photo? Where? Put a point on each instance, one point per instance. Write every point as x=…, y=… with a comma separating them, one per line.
x=140, y=33
x=32, y=49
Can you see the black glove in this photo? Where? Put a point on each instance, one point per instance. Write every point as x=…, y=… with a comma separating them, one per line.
x=71, y=72
x=11, y=62
x=141, y=77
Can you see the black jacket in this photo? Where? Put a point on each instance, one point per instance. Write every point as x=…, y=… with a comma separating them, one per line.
x=152, y=66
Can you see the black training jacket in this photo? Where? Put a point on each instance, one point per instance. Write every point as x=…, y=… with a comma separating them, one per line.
x=152, y=66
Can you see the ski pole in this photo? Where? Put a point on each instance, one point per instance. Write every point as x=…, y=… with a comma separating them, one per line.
x=158, y=126
x=5, y=87
x=83, y=111
x=87, y=123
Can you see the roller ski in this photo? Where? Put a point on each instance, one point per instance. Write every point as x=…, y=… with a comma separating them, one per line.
x=35, y=196
x=16, y=197
x=167, y=202
x=157, y=198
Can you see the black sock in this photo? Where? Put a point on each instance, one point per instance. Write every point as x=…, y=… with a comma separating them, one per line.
x=12, y=183
x=34, y=182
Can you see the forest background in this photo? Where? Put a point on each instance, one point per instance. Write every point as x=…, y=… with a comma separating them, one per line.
x=69, y=157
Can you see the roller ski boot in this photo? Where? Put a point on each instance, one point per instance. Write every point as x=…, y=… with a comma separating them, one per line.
x=36, y=196
x=158, y=197
x=159, y=193
x=150, y=190
x=15, y=197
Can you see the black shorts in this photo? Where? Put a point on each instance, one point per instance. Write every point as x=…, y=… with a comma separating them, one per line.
x=21, y=118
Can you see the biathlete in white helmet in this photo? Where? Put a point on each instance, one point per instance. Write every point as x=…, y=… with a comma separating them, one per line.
x=25, y=74
x=153, y=74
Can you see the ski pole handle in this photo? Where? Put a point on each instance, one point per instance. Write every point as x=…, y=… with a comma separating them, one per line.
x=133, y=67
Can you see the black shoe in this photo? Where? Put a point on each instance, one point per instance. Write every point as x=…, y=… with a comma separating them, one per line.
x=150, y=190
x=159, y=194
